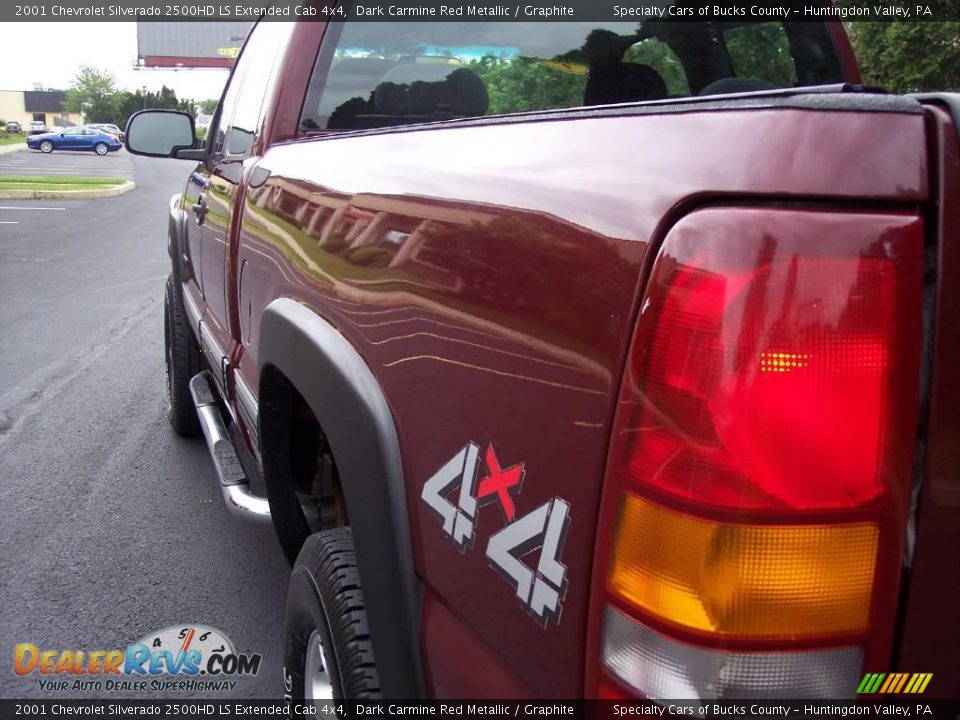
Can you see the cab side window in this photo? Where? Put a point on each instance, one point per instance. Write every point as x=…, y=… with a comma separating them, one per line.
x=242, y=103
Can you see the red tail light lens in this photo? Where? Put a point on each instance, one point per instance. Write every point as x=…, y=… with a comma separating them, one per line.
x=765, y=432
x=770, y=366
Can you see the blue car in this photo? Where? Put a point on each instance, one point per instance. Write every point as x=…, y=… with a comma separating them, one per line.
x=75, y=138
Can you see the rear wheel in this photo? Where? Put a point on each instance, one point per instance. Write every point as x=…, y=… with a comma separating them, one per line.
x=183, y=362
x=101, y=149
x=46, y=146
x=327, y=648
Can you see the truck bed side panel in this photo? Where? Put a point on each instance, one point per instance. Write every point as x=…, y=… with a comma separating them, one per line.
x=489, y=274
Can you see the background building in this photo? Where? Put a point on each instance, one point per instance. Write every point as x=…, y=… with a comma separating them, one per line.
x=26, y=106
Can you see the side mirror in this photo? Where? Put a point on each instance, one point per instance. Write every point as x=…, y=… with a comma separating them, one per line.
x=163, y=133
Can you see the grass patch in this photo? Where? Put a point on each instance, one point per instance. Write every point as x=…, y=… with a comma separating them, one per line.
x=12, y=139
x=56, y=182
x=48, y=186
x=60, y=180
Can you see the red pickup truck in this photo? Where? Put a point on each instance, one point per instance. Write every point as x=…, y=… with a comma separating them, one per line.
x=579, y=359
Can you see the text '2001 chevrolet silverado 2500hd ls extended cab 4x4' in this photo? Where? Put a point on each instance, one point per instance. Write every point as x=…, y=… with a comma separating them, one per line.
x=639, y=379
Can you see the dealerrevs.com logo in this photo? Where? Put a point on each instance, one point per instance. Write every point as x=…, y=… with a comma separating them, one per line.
x=180, y=658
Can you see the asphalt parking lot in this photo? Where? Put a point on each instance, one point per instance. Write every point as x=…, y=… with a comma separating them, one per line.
x=113, y=528
x=78, y=164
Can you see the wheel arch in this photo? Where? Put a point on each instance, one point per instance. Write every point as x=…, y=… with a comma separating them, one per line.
x=299, y=347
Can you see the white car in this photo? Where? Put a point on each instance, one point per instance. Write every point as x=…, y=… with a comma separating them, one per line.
x=108, y=128
x=37, y=127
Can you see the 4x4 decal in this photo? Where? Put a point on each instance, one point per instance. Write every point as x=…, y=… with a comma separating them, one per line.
x=541, y=589
x=458, y=519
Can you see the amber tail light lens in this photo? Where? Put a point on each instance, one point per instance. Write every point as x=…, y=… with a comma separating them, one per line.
x=761, y=457
x=744, y=580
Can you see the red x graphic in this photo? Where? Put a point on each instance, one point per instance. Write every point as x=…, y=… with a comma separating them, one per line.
x=500, y=482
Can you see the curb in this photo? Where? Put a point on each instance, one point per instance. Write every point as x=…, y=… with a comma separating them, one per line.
x=111, y=191
x=9, y=149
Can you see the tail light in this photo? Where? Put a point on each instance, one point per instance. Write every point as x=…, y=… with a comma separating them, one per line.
x=760, y=466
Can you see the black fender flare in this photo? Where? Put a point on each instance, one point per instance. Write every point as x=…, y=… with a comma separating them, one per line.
x=347, y=401
x=177, y=238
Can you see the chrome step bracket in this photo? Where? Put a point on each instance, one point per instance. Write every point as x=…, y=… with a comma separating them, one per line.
x=233, y=479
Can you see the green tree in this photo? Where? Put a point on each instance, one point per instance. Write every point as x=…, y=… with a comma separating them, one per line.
x=658, y=55
x=94, y=95
x=523, y=84
x=128, y=103
x=904, y=56
x=761, y=50
x=208, y=106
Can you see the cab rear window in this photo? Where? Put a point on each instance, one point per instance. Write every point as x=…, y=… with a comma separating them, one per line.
x=370, y=75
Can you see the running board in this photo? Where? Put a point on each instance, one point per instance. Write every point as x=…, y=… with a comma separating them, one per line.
x=233, y=480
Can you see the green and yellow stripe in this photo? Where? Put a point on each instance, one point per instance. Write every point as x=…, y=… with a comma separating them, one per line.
x=886, y=683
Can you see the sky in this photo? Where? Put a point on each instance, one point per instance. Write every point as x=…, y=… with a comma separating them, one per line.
x=50, y=53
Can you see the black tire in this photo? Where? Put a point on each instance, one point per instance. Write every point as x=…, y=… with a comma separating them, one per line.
x=46, y=146
x=324, y=597
x=183, y=362
x=101, y=149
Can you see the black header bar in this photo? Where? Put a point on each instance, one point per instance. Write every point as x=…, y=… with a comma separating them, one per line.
x=873, y=707
x=480, y=10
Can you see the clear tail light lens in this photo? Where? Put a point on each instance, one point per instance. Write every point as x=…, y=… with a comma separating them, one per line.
x=660, y=667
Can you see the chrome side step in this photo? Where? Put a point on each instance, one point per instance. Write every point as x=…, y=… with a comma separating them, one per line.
x=233, y=480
